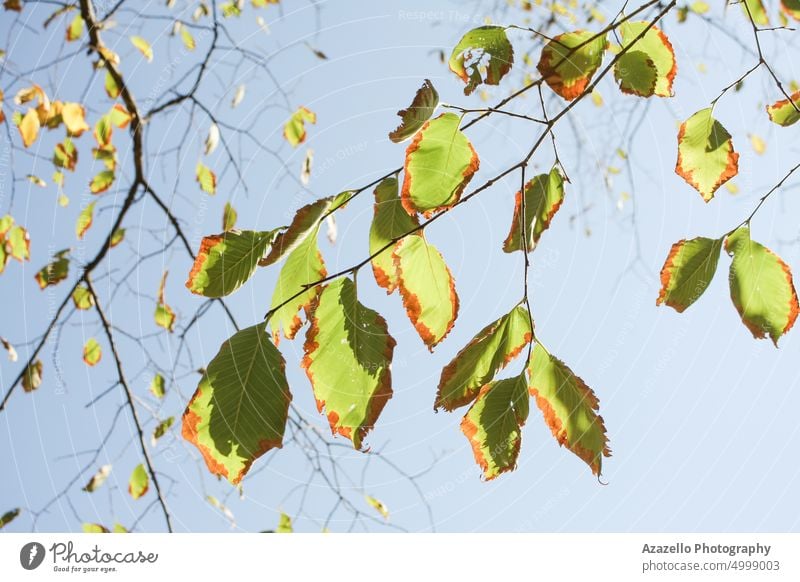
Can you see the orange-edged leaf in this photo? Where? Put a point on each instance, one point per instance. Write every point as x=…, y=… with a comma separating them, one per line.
x=390, y=222
x=119, y=116
x=348, y=356
x=29, y=127
x=164, y=316
x=569, y=407
x=295, y=129
x=791, y=8
x=92, y=352
x=427, y=288
x=17, y=244
x=117, y=237
x=483, y=55
x=570, y=60
x=688, y=271
x=98, y=479
x=649, y=66
x=139, y=482
x=226, y=261
x=32, y=377
x=206, y=178
x=65, y=155
x=785, y=112
x=54, y=272
x=82, y=298
x=543, y=197
x=706, y=159
x=439, y=164
x=102, y=182
x=493, y=425
x=761, y=286
x=75, y=28
x=487, y=353
x=241, y=405
x=85, y=219
x=420, y=111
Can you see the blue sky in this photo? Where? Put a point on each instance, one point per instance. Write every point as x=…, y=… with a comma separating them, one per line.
x=700, y=415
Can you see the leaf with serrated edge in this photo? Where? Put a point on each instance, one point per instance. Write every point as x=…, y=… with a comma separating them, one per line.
x=241, y=405
x=688, y=271
x=226, y=261
x=483, y=55
x=570, y=60
x=348, y=356
x=654, y=49
x=487, y=353
x=706, y=159
x=439, y=164
x=390, y=221
x=785, y=112
x=543, y=197
x=762, y=289
x=427, y=288
x=493, y=425
x=569, y=407
x=420, y=111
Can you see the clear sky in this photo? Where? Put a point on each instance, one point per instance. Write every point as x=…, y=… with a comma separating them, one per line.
x=702, y=418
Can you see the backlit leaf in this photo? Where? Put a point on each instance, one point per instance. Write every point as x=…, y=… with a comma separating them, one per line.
x=32, y=377
x=143, y=47
x=240, y=408
x=378, y=505
x=487, y=353
x=420, y=111
x=102, y=182
x=348, y=356
x=569, y=407
x=65, y=155
x=295, y=129
x=92, y=352
x=543, y=197
x=54, y=272
x=9, y=516
x=158, y=386
x=226, y=261
x=164, y=316
x=74, y=117
x=229, y=216
x=649, y=66
x=706, y=159
x=785, y=112
x=755, y=10
x=94, y=528
x=75, y=28
x=569, y=61
x=29, y=127
x=82, y=298
x=493, y=425
x=791, y=8
x=439, y=164
x=427, y=288
x=85, y=219
x=483, y=55
x=117, y=237
x=206, y=178
x=688, y=271
x=111, y=87
x=187, y=39
x=36, y=181
x=17, y=243
x=761, y=286
x=284, y=524
x=139, y=482
x=390, y=221
x=161, y=429
x=98, y=479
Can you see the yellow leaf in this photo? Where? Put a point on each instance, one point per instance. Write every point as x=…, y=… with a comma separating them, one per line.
x=759, y=145
x=73, y=115
x=143, y=46
x=29, y=127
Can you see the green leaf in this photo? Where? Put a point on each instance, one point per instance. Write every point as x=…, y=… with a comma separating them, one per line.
x=390, y=221
x=162, y=429
x=226, y=261
x=9, y=516
x=143, y=47
x=378, y=505
x=54, y=272
x=102, y=182
x=305, y=224
x=304, y=266
x=649, y=66
x=111, y=87
x=75, y=28
x=487, y=353
x=762, y=288
x=284, y=525
x=295, y=129
x=85, y=219
x=139, y=482
x=791, y=8
x=164, y=316
x=65, y=155
x=18, y=243
x=206, y=178
x=439, y=164
x=158, y=386
x=427, y=288
x=32, y=376
x=483, y=49
x=688, y=271
x=94, y=528
x=348, y=356
x=755, y=9
x=543, y=197
x=229, y=216
x=706, y=159
x=98, y=479
x=241, y=405
x=569, y=407
x=420, y=111
x=785, y=112
x=570, y=60
x=117, y=237
x=493, y=425
x=82, y=298
x=92, y=352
